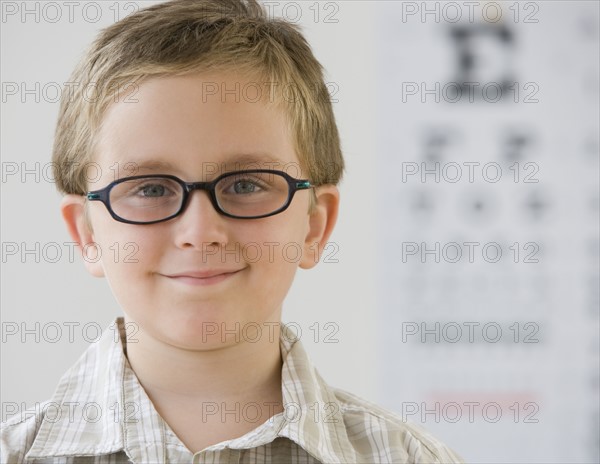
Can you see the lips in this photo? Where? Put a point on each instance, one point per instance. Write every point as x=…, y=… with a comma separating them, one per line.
x=202, y=277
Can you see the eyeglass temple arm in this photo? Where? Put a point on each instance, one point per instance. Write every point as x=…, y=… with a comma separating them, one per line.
x=303, y=185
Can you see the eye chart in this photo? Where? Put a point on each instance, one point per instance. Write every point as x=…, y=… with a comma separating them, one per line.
x=488, y=244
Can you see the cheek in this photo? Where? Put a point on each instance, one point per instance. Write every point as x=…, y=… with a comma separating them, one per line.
x=126, y=249
x=129, y=257
x=275, y=248
x=280, y=238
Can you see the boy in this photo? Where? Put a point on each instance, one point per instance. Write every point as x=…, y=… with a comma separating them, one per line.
x=208, y=188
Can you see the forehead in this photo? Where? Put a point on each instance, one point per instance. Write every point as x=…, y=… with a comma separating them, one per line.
x=182, y=124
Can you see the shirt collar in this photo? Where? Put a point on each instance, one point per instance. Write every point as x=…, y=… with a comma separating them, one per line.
x=101, y=409
x=82, y=417
x=313, y=415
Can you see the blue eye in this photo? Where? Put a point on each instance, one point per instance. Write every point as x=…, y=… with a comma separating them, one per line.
x=245, y=186
x=152, y=190
x=242, y=185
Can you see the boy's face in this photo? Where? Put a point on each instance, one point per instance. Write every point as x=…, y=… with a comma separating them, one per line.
x=154, y=270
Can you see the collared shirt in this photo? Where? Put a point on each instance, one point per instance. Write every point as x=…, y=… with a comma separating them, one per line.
x=101, y=414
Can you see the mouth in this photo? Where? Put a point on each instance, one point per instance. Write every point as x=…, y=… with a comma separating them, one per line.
x=202, y=278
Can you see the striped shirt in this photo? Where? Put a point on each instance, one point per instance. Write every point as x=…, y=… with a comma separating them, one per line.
x=101, y=414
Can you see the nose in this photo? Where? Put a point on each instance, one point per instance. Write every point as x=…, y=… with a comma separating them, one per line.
x=200, y=224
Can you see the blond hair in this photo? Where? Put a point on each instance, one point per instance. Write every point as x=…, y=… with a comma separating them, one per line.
x=180, y=37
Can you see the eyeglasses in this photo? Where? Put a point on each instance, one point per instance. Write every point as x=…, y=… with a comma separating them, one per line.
x=251, y=194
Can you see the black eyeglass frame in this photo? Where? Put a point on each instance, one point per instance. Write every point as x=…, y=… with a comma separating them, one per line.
x=103, y=195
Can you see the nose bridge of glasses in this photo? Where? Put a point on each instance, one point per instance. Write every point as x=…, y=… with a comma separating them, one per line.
x=207, y=187
x=191, y=186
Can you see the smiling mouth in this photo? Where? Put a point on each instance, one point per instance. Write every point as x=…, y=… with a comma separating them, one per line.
x=202, y=278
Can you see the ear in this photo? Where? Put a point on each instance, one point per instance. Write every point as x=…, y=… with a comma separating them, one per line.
x=72, y=208
x=321, y=223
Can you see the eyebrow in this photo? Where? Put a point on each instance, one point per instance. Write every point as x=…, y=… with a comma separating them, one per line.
x=149, y=165
x=238, y=161
x=245, y=159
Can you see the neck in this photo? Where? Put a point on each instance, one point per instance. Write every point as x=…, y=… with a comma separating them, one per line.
x=235, y=372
